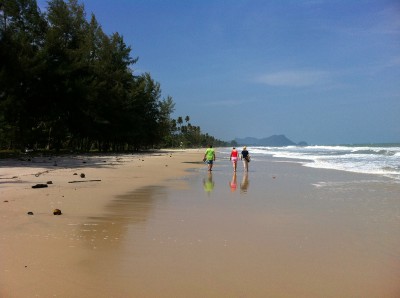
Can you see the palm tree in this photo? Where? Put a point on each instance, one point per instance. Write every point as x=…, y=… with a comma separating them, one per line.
x=179, y=121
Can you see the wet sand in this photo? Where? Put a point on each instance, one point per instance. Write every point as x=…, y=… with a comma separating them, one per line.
x=148, y=229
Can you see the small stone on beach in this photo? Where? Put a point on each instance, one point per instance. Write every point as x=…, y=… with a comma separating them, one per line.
x=40, y=185
x=57, y=212
x=82, y=175
x=30, y=213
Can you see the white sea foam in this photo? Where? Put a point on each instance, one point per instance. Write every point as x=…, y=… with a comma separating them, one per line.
x=377, y=160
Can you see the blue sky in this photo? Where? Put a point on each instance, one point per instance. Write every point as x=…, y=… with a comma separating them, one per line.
x=326, y=72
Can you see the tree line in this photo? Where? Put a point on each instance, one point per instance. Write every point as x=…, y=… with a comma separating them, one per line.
x=66, y=85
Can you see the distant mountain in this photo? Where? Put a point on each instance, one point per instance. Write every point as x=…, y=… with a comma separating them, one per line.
x=272, y=141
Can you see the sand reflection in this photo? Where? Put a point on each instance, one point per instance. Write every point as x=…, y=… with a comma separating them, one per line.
x=244, y=185
x=233, y=183
x=165, y=240
x=208, y=183
x=107, y=231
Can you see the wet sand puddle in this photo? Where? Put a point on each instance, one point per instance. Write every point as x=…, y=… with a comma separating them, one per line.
x=259, y=238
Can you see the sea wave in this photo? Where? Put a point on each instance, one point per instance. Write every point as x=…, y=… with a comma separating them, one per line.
x=373, y=151
x=378, y=160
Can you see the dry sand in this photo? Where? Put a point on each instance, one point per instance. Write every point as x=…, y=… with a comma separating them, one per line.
x=43, y=255
x=150, y=229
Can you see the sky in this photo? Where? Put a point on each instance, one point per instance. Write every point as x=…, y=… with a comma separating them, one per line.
x=324, y=72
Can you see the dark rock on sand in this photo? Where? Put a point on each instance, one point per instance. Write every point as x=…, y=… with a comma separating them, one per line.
x=40, y=185
x=82, y=175
x=49, y=182
x=30, y=213
x=57, y=212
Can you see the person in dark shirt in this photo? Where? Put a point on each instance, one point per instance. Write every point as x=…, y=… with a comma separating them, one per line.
x=245, y=156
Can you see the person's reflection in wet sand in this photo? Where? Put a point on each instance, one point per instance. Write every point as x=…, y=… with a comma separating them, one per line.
x=244, y=185
x=208, y=183
x=233, y=183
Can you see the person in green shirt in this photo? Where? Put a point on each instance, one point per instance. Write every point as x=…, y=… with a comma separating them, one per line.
x=209, y=157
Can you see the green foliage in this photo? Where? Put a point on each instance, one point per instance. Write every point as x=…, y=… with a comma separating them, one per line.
x=189, y=136
x=65, y=84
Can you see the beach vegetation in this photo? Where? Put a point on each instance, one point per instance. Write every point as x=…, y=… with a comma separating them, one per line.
x=67, y=85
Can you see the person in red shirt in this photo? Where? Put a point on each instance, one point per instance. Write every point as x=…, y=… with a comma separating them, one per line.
x=234, y=158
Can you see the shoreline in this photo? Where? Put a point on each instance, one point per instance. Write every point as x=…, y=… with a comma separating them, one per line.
x=150, y=228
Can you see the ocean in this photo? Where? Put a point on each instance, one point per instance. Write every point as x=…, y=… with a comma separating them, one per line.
x=383, y=160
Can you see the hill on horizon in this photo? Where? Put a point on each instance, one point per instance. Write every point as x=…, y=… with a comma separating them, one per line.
x=273, y=141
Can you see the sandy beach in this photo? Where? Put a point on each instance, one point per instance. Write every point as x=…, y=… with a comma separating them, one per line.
x=44, y=255
x=160, y=225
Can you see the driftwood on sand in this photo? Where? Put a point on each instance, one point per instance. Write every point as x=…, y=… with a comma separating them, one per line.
x=76, y=181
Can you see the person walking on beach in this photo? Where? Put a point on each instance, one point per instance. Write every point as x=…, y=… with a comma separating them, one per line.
x=234, y=158
x=245, y=156
x=209, y=157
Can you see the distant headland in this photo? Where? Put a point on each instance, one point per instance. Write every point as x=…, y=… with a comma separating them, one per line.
x=273, y=141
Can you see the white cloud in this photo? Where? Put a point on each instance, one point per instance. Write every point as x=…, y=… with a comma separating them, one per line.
x=294, y=78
